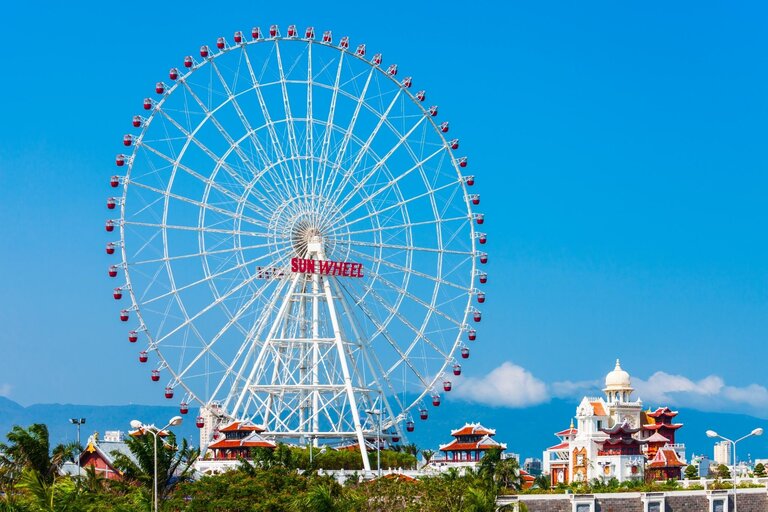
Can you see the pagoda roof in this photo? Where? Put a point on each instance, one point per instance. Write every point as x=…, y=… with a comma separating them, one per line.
x=666, y=458
x=620, y=428
x=241, y=426
x=657, y=426
x=657, y=438
x=562, y=446
x=252, y=441
x=470, y=429
x=626, y=442
x=662, y=411
x=485, y=443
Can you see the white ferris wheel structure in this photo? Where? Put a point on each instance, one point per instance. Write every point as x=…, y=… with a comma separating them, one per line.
x=297, y=240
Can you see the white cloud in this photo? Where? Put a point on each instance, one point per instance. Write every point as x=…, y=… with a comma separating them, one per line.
x=510, y=385
x=507, y=385
x=5, y=390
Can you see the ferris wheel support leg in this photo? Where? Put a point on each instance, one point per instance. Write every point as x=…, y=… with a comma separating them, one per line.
x=345, y=372
x=316, y=353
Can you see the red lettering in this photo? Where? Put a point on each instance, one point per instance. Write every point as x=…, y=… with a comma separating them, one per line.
x=359, y=270
x=337, y=268
x=345, y=272
x=294, y=264
x=311, y=266
x=325, y=267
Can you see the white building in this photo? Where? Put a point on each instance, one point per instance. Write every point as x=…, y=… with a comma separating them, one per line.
x=723, y=453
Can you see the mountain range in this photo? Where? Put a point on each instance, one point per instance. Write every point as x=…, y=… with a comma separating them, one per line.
x=527, y=431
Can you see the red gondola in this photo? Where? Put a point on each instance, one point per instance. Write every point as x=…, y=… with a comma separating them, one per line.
x=273, y=31
x=483, y=238
x=183, y=408
x=111, y=203
x=188, y=61
x=457, y=369
x=110, y=248
x=392, y=70
x=360, y=50
x=444, y=127
x=112, y=271
x=124, y=315
x=479, y=218
x=376, y=59
x=173, y=74
x=143, y=356
x=309, y=33
x=477, y=316
x=155, y=375
x=200, y=422
x=395, y=439
x=204, y=51
x=110, y=225
x=475, y=199
x=327, y=36
x=119, y=161
x=454, y=144
x=344, y=43
x=447, y=386
x=469, y=180
x=168, y=392
x=483, y=278
x=114, y=181
x=484, y=258
x=159, y=87
x=255, y=33
x=133, y=336
x=127, y=140
x=463, y=161
x=221, y=43
x=407, y=82
x=433, y=110
x=480, y=297
x=238, y=37
x=423, y=414
x=436, y=400
x=472, y=335
x=117, y=293
x=464, y=353
x=147, y=103
x=137, y=121
x=409, y=426
x=292, y=31
x=421, y=95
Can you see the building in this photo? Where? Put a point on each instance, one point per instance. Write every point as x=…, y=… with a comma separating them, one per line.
x=532, y=466
x=614, y=437
x=723, y=453
x=100, y=453
x=469, y=444
x=236, y=440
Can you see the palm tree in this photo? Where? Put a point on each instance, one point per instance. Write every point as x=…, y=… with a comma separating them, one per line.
x=30, y=448
x=55, y=496
x=174, y=464
x=427, y=454
x=506, y=475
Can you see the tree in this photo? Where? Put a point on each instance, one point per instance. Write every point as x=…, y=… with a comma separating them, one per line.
x=507, y=475
x=543, y=482
x=30, y=448
x=691, y=473
x=723, y=472
x=54, y=496
x=174, y=464
x=427, y=454
x=759, y=470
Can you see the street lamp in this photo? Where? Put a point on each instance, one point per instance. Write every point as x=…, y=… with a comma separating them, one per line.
x=136, y=424
x=77, y=422
x=377, y=412
x=756, y=432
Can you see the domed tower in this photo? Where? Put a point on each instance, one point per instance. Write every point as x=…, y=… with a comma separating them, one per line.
x=618, y=386
x=618, y=393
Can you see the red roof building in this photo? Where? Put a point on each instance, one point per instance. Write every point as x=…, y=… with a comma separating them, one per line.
x=664, y=465
x=236, y=439
x=660, y=421
x=470, y=443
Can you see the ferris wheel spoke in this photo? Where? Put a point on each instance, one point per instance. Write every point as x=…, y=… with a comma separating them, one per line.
x=326, y=145
x=401, y=247
x=399, y=204
x=198, y=254
x=310, y=148
x=204, y=229
x=327, y=190
x=394, y=266
x=364, y=149
x=289, y=122
x=437, y=221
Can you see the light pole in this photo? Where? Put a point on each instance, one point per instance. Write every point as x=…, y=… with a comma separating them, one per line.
x=757, y=432
x=77, y=422
x=136, y=424
x=377, y=412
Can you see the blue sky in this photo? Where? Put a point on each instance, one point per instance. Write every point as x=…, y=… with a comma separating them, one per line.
x=620, y=151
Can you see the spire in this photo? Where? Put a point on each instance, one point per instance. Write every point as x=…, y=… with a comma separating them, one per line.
x=571, y=423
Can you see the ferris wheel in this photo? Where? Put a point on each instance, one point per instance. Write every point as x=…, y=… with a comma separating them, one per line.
x=298, y=245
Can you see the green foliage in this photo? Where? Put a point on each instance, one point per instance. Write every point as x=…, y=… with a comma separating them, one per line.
x=722, y=472
x=759, y=470
x=29, y=448
x=691, y=472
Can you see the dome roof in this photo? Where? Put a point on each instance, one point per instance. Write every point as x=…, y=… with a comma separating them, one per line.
x=617, y=379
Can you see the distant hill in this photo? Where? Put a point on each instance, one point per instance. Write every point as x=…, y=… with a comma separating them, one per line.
x=526, y=431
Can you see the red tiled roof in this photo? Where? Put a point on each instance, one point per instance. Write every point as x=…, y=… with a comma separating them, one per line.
x=241, y=443
x=473, y=429
x=567, y=432
x=656, y=426
x=562, y=446
x=240, y=426
x=662, y=411
x=599, y=409
x=666, y=458
x=657, y=438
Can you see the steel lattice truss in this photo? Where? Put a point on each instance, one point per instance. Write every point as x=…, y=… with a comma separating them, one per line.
x=272, y=148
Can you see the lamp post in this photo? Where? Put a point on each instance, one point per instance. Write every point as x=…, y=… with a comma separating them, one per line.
x=136, y=424
x=756, y=432
x=77, y=422
x=377, y=412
